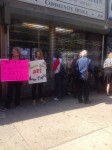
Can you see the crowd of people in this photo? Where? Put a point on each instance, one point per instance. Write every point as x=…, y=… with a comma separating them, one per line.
x=78, y=74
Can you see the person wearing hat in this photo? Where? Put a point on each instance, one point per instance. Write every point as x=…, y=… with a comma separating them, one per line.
x=84, y=69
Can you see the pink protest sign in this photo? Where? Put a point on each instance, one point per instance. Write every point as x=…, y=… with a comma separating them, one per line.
x=14, y=70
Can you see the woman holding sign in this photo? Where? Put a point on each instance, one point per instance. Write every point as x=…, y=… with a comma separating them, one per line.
x=38, y=56
x=13, y=86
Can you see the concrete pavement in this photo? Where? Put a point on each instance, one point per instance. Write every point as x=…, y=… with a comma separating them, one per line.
x=63, y=125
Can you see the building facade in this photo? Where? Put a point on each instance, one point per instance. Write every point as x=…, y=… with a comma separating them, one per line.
x=66, y=25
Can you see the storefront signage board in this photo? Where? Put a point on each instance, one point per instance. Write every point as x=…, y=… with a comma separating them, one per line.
x=109, y=9
x=90, y=8
x=14, y=70
x=37, y=71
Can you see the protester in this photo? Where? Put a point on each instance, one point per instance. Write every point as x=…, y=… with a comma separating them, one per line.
x=13, y=85
x=108, y=72
x=38, y=56
x=58, y=72
x=84, y=69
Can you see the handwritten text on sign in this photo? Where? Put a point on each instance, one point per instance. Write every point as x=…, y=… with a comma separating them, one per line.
x=14, y=70
x=37, y=72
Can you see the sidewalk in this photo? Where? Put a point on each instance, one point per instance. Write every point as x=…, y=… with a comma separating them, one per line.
x=58, y=125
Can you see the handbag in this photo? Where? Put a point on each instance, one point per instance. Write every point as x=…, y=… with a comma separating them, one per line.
x=85, y=74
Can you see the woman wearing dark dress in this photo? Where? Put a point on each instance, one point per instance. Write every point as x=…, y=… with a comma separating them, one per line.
x=13, y=86
x=108, y=72
x=39, y=86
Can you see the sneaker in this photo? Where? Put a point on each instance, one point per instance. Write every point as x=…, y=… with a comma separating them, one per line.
x=42, y=100
x=34, y=102
x=56, y=99
x=3, y=109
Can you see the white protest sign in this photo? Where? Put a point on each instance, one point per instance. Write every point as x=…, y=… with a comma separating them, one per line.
x=37, y=71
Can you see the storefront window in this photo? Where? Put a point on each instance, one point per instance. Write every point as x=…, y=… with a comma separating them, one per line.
x=108, y=44
x=69, y=43
x=75, y=41
x=29, y=39
x=94, y=46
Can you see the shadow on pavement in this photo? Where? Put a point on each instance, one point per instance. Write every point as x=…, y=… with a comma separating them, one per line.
x=28, y=111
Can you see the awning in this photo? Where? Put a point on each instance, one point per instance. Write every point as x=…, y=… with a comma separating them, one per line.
x=22, y=12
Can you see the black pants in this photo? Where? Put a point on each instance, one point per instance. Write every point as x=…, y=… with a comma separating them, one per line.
x=69, y=83
x=59, y=85
x=83, y=90
x=13, y=86
x=34, y=87
x=75, y=87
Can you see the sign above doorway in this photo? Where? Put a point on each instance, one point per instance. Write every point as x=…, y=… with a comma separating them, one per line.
x=89, y=8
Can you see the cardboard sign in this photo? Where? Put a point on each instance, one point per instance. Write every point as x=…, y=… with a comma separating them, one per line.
x=14, y=70
x=37, y=72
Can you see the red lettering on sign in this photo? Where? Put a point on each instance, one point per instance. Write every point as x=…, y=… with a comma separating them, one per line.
x=37, y=71
x=34, y=71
